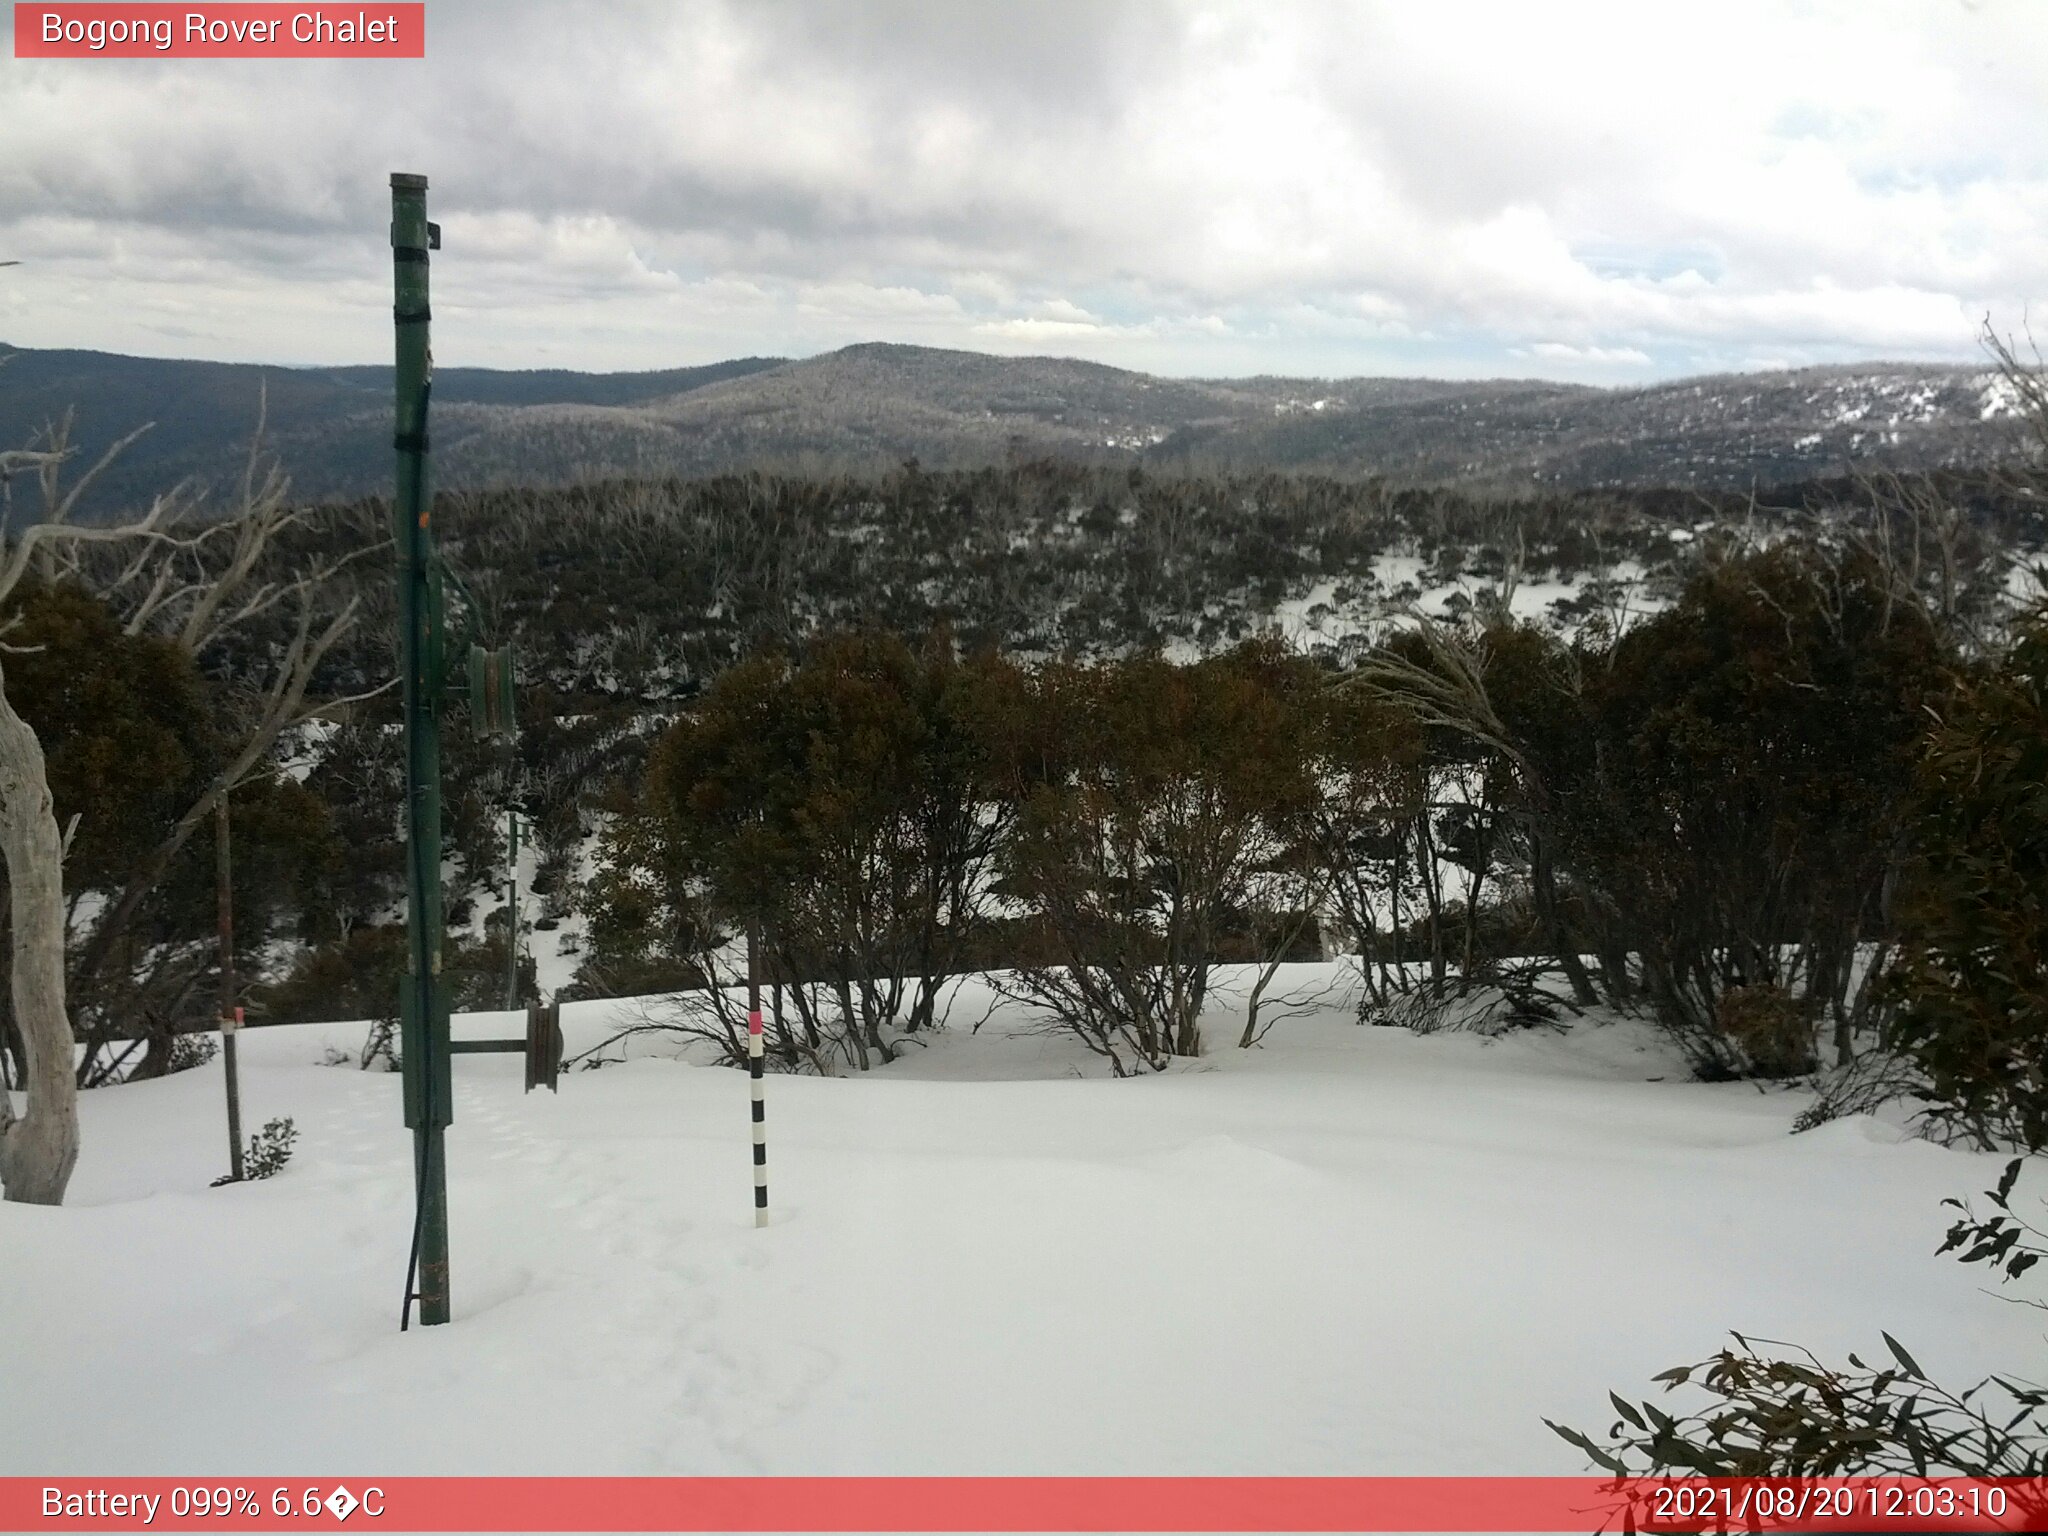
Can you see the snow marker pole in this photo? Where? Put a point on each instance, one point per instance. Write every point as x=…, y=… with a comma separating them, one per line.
x=754, y=1053
x=230, y=1015
x=511, y=877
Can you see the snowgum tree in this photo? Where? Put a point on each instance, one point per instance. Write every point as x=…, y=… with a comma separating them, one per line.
x=1972, y=990
x=1147, y=800
x=191, y=584
x=835, y=804
x=39, y=1146
x=1972, y=983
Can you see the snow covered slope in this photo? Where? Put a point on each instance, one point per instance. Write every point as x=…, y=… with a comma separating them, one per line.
x=1350, y=1251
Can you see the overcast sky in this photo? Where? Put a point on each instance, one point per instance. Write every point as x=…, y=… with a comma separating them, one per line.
x=1604, y=193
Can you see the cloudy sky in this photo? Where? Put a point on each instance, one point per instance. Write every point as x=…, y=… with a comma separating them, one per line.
x=1605, y=193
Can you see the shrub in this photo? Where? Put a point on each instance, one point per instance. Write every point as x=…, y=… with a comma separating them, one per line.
x=269, y=1150
x=194, y=1050
x=1770, y=1415
x=355, y=977
x=1732, y=784
x=1497, y=1006
x=1973, y=981
x=1771, y=1026
x=1147, y=798
x=837, y=804
x=358, y=977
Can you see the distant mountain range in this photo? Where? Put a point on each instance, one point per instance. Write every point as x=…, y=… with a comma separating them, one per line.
x=876, y=404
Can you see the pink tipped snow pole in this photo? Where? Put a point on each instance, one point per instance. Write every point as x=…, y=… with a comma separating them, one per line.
x=754, y=1054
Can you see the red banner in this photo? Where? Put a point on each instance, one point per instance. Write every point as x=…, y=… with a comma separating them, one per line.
x=216, y=31
x=1021, y=1504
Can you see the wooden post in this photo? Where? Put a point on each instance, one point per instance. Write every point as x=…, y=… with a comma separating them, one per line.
x=230, y=1015
x=782, y=1025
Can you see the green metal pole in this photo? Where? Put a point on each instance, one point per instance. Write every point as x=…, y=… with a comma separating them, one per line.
x=426, y=1051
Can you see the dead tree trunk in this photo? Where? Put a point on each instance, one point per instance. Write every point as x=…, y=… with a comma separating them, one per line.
x=39, y=1148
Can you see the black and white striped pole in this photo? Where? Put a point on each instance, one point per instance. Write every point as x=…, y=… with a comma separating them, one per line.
x=754, y=1055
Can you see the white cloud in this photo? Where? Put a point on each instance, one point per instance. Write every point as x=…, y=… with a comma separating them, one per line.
x=1323, y=188
x=1558, y=351
x=1031, y=328
x=865, y=300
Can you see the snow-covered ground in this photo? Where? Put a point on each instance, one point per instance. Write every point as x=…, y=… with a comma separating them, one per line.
x=1350, y=1251
x=1331, y=612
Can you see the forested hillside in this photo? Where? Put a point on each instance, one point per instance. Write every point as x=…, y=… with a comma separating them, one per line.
x=632, y=592
x=629, y=604
x=864, y=409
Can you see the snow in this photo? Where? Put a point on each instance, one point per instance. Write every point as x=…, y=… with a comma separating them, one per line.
x=556, y=952
x=1539, y=599
x=303, y=744
x=1998, y=397
x=1351, y=1251
x=1399, y=583
x=1316, y=616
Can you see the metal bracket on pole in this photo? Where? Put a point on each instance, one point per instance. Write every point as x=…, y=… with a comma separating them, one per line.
x=490, y=692
x=543, y=1046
